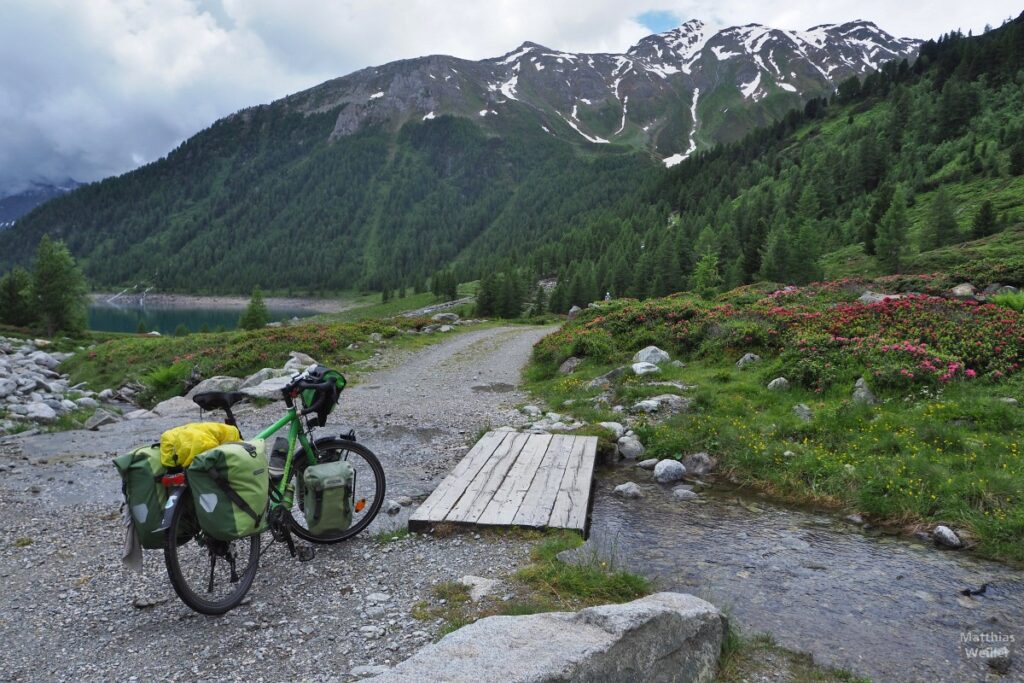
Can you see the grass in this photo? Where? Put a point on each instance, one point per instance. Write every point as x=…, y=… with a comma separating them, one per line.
x=546, y=584
x=22, y=542
x=1015, y=302
x=370, y=306
x=162, y=364
x=931, y=452
x=396, y=534
x=759, y=658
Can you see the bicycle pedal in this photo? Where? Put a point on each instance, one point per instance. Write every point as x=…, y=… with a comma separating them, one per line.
x=305, y=553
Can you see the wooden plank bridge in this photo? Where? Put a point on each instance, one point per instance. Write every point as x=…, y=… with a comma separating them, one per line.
x=512, y=479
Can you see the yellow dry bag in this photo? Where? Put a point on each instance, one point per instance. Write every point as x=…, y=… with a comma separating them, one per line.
x=179, y=445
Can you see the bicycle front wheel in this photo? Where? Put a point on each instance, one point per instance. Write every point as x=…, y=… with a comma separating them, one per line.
x=210, y=576
x=368, y=495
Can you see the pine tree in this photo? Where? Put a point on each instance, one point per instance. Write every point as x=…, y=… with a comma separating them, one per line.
x=883, y=198
x=775, y=260
x=141, y=328
x=486, y=296
x=984, y=223
x=256, y=314
x=941, y=227
x=59, y=289
x=706, y=279
x=538, y=305
x=892, y=233
x=16, y=298
x=181, y=330
x=1017, y=159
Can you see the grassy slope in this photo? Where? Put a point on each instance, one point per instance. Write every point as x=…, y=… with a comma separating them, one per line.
x=933, y=451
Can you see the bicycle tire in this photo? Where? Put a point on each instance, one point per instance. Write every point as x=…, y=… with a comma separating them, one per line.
x=182, y=586
x=329, y=450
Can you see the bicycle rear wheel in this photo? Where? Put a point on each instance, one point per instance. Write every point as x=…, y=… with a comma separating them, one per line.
x=368, y=495
x=210, y=576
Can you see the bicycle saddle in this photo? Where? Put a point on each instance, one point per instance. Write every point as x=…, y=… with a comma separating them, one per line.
x=218, y=400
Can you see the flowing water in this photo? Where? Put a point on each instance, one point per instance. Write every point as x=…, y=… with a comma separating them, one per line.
x=884, y=607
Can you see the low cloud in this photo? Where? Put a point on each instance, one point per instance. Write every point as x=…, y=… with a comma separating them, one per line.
x=92, y=88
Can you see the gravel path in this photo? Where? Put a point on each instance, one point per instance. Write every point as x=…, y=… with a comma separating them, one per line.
x=69, y=611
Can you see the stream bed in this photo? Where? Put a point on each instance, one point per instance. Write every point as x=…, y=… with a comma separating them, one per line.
x=884, y=607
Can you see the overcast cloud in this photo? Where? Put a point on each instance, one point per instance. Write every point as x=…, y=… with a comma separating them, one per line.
x=92, y=88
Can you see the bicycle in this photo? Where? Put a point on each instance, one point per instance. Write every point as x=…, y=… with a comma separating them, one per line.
x=192, y=557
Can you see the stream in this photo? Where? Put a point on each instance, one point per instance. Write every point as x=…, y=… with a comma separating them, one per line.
x=884, y=607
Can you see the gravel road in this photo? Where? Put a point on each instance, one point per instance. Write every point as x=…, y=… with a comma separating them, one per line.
x=71, y=612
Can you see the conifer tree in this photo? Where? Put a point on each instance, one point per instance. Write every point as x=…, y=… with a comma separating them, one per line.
x=984, y=223
x=892, y=232
x=940, y=227
x=256, y=314
x=706, y=279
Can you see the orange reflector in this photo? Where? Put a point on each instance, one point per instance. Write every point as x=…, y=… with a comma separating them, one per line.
x=360, y=504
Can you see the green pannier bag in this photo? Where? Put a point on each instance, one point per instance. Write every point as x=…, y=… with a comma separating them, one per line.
x=231, y=488
x=327, y=497
x=144, y=493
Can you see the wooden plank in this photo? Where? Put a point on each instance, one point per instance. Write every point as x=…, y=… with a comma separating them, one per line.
x=509, y=496
x=536, y=507
x=447, y=494
x=563, y=499
x=487, y=481
x=570, y=509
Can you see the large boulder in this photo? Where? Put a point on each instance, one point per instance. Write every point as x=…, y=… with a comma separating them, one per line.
x=267, y=390
x=261, y=376
x=945, y=536
x=802, y=411
x=778, y=384
x=660, y=638
x=7, y=387
x=218, y=383
x=99, y=418
x=651, y=354
x=298, y=361
x=614, y=427
x=44, y=359
x=175, y=407
x=606, y=379
x=573, y=312
x=445, y=317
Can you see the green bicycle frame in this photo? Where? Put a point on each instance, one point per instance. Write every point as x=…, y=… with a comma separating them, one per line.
x=291, y=420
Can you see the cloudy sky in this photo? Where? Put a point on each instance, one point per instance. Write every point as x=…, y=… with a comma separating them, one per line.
x=91, y=88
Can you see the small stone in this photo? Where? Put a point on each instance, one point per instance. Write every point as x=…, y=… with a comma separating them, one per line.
x=630, y=448
x=445, y=328
x=668, y=471
x=378, y=597
x=862, y=393
x=376, y=337
x=445, y=317
x=747, y=359
x=405, y=501
x=629, y=490
x=646, y=406
x=99, y=418
x=641, y=369
x=803, y=412
x=652, y=355
x=392, y=507
x=699, y=464
x=788, y=454
x=678, y=364
x=1001, y=662
x=682, y=493
x=778, y=384
x=647, y=464
x=964, y=290
x=1010, y=401
x=946, y=537
x=614, y=427
x=479, y=587
x=368, y=670
x=854, y=519
x=569, y=365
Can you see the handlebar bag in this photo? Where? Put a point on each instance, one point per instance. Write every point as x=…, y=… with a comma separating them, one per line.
x=230, y=489
x=144, y=493
x=327, y=497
